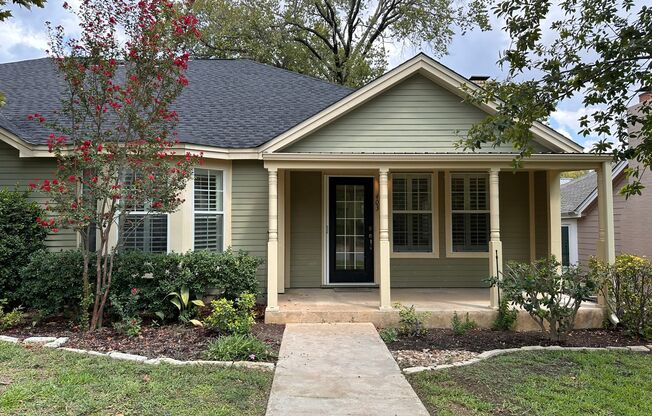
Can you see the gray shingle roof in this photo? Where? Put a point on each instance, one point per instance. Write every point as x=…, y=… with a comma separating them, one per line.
x=575, y=192
x=228, y=103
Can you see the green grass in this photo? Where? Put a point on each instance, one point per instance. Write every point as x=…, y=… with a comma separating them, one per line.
x=50, y=382
x=542, y=383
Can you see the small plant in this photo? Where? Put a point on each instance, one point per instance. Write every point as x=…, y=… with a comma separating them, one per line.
x=411, y=322
x=186, y=307
x=229, y=317
x=506, y=318
x=389, y=335
x=238, y=347
x=462, y=327
x=550, y=294
x=129, y=320
x=11, y=319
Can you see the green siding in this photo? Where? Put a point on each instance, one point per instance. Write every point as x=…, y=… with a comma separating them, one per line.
x=249, y=205
x=415, y=116
x=16, y=171
x=515, y=216
x=305, y=229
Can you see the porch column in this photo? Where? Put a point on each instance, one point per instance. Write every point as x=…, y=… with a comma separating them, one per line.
x=272, y=242
x=554, y=214
x=606, y=244
x=495, y=245
x=383, y=199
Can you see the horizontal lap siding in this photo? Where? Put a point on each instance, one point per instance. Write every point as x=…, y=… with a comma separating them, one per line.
x=414, y=116
x=17, y=171
x=515, y=216
x=305, y=229
x=249, y=205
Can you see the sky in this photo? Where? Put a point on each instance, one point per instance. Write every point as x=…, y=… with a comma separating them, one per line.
x=24, y=36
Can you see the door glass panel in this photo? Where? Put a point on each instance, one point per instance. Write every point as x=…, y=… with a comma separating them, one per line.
x=349, y=230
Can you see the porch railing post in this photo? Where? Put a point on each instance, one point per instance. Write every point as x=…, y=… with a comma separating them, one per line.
x=495, y=245
x=272, y=242
x=383, y=200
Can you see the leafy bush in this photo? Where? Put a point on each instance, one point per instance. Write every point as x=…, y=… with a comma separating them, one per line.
x=627, y=287
x=551, y=295
x=20, y=236
x=506, y=318
x=238, y=347
x=462, y=327
x=129, y=321
x=411, y=322
x=232, y=273
x=389, y=335
x=51, y=282
x=11, y=319
x=187, y=307
x=229, y=317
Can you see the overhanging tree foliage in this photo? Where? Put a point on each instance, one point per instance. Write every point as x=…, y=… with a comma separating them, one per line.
x=113, y=140
x=597, y=50
x=340, y=41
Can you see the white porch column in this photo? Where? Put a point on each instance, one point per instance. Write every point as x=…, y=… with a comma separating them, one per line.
x=272, y=243
x=606, y=244
x=554, y=214
x=383, y=197
x=495, y=245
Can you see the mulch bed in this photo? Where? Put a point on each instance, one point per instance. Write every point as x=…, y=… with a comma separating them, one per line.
x=173, y=341
x=483, y=340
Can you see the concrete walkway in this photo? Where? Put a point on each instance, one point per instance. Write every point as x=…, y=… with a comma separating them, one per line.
x=339, y=369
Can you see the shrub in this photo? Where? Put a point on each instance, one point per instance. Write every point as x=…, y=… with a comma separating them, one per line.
x=238, y=347
x=627, y=287
x=411, y=322
x=128, y=319
x=51, y=282
x=233, y=273
x=187, y=307
x=11, y=319
x=229, y=317
x=20, y=236
x=551, y=295
x=462, y=327
x=389, y=335
x=506, y=318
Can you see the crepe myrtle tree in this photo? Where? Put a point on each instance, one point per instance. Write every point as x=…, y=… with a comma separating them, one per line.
x=113, y=136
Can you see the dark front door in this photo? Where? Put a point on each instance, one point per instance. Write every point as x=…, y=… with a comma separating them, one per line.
x=350, y=230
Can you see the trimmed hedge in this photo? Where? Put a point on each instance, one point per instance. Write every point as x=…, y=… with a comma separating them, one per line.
x=20, y=236
x=52, y=281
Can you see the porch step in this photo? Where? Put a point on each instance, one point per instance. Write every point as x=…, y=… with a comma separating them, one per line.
x=587, y=317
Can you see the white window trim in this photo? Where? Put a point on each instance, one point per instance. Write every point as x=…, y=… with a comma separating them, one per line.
x=222, y=212
x=434, y=210
x=449, y=219
x=573, y=249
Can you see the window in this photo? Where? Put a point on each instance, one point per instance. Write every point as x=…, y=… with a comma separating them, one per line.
x=565, y=246
x=143, y=230
x=412, y=213
x=469, y=199
x=209, y=210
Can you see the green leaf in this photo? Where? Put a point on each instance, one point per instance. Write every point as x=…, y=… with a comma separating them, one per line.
x=196, y=322
x=198, y=302
x=176, y=303
x=185, y=295
x=160, y=315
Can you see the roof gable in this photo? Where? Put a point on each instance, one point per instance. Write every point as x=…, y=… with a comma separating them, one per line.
x=544, y=136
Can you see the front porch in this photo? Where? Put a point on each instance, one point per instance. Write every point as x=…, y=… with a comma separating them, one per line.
x=361, y=305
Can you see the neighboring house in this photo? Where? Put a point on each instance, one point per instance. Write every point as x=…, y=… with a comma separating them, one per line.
x=337, y=187
x=632, y=220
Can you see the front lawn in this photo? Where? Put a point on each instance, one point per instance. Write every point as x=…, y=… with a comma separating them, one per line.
x=41, y=381
x=542, y=383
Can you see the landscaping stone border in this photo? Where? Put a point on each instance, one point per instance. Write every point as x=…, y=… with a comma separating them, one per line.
x=58, y=342
x=493, y=353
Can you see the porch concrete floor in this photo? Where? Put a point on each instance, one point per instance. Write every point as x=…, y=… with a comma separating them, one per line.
x=361, y=305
